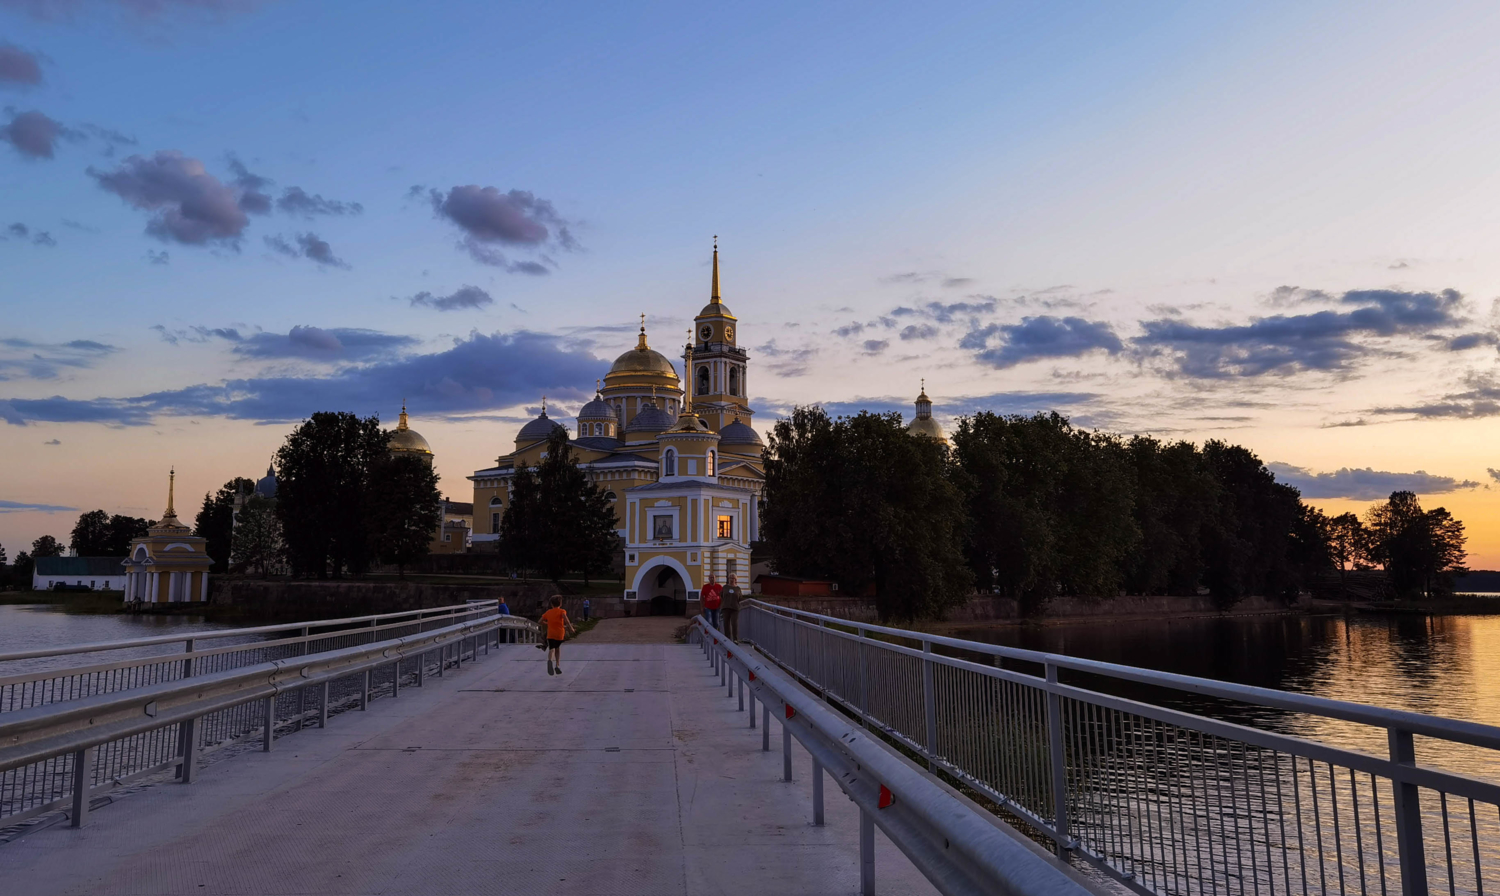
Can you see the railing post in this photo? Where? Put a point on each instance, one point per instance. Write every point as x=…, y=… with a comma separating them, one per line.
x=740, y=689
x=817, y=772
x=765, y=727
x=1408, y=805
x=1059, y=762
x=189, y=754
x=929, y=698
x=866, y=853
x=864, y=677
x=302, y=692
x=364, y=691
x=323, y=707
x=421, y=668
x=786, y=751
x=270, y=720
x=396, y=679
x=83, y=780
x=752, y=709
x=182, y=731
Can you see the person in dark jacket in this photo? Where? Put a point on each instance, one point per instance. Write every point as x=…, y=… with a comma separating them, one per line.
x=729, y=608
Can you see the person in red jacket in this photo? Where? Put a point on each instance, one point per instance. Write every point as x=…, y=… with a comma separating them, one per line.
x=712, y=597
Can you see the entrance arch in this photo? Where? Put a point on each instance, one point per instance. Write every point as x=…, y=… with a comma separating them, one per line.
x=663, y=585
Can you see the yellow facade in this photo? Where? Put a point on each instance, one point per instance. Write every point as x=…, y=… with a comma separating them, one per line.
x=683, y=470
x=169, y=564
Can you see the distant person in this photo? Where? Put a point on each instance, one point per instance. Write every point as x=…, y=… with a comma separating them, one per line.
x=504, y=608
x=585, y=609
x=729, y=605
x=556, y=620
x=507, y=635
x=711, y=597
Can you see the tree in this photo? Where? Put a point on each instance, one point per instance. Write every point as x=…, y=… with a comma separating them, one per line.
x=558, y=521
x=21, y=571
x=865, y=502
x=1420, y=550
x=322, y=499
x=407, y=512
x=1247, y=548
x=46, y=546
x=122, y=531
x=1309, y=549
x=1347, y=547
x=1176, y=498
x=257, y=543
x=91, y=533
x=215, y=520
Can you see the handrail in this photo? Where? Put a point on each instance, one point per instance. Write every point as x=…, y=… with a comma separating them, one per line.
x=208, y=634
x=1473, y=733
x=957, y=847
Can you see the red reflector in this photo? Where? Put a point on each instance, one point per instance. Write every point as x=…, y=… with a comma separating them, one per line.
x=789, y=711
x=729, y=654
x=716, y=640
x=886, y=798
x=752, y=676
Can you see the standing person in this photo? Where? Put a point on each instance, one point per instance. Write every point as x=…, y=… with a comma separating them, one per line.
x=729, y=605
x=508, y=635
x=585, y=609
x=711, y=598
x=556, y=619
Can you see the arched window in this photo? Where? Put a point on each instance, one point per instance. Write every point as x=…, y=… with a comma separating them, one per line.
x=712, y=463
x=703, y=380
x=734, y=381
x=669, y=463
x=495, y=501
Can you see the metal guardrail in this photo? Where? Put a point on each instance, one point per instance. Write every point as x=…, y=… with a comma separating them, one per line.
x=169, y=711
x=1166, y=801
x=954, y=844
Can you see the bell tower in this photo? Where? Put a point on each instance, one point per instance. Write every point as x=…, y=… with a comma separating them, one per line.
x=716, y=363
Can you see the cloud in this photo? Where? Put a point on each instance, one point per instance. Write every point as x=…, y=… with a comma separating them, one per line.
x=1494, y=473
x=1365, y=484
x=310, y=246
x=52, y=442
x=197, y=334
x=337, y=344
x=1467, y=341
x=20, y=231
x=25, y=359
x=24, y=507
x=464, y=297
x=33, y=134
x=111, y=138
x=296, y=201
x=919, y=331
x=253, y=196
x=188, y=204
x=876, y=346
x=947, y=281
x=480, y=373
x=1039, y=337
x=17, y=66
x=143, y=10
x=1322, y=340
x=489, y=219
x=155, y=257
x=1025, y=403
x=1481, y=399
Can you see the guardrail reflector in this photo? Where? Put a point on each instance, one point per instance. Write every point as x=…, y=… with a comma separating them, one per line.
x=752, y=676
x=789, y=711
x=886, y=797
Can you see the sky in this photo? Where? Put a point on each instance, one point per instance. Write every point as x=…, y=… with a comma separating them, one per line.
x=1269, y=223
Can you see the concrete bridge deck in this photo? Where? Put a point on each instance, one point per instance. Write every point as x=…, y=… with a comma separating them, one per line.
x=631, y=773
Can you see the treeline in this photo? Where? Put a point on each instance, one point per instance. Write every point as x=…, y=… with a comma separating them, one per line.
x=17, y=575
x=1033, y=507
x=557, y=521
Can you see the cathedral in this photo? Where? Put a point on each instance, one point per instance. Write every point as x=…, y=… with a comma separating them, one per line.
x=676, y=455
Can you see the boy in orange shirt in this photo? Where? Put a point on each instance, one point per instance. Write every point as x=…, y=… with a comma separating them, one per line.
x=556, y=619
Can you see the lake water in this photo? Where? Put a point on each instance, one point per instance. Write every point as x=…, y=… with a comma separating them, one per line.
x=33, y=626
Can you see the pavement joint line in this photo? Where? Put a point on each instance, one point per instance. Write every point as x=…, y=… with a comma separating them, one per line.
x=513, y=749
x=564, y=691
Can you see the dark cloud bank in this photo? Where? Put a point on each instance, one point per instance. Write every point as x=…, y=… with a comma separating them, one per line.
x=491, y=220
x=1365, y=484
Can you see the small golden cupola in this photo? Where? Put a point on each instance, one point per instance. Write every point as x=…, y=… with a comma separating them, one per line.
x=923, y=424
x=169, y=564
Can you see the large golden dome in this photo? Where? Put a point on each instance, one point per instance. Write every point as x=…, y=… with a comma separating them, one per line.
x=405, y=440
x=642, y=366
x=926, y=426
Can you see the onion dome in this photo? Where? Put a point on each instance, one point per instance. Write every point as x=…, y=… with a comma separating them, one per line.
x=539, y=429
x=738, y=433
x=597, y=409
x=405, y=440
x=642, y=366
x=923, y=424
x=266, y=487
x=650, y=419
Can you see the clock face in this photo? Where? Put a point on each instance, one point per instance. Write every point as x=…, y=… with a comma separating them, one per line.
x=706, y=332
x=729, y=332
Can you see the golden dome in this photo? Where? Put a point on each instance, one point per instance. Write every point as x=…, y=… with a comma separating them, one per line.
x=405, y=440
x=926, y=426
x=643, y=364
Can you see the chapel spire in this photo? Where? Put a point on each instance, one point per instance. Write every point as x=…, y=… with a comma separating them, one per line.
x=715, y=296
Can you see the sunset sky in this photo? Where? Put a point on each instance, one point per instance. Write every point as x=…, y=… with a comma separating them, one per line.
x=1271, y=223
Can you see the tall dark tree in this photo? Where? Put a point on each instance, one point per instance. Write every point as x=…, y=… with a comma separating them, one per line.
x=407, y=512
x=1175, y=499
x=1421, y=550
x=1247, y=550
x=1347, y=547
x=215, y=521
x=863, y=501
x=90, y=536
x=21, y=570
x=123, y=530
x=46, y=546
x=1050, y=507
x=558, y=521
x=258, y=545
x=323, y=470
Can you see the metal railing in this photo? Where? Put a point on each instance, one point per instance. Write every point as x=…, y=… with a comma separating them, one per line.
x=86, y=730
x=1166, y=801
x=953, y=842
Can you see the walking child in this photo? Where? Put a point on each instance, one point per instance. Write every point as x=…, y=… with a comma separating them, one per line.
x=556, y=620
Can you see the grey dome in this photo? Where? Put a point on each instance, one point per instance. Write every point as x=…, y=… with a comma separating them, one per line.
x=538, y=430
x=738, y=433
x=266, y=487
x=651, y=419
x=597, y=409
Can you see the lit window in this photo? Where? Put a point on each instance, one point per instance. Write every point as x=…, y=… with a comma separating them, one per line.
x=447, y=536
x=712, y=464
x=726, y=527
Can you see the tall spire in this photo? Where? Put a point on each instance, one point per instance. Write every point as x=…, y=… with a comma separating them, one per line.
x=715, y=296
x=641, y=343
x=171, y=489
x=687, y=368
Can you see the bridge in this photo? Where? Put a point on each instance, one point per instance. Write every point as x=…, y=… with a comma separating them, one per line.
x=428, y=752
